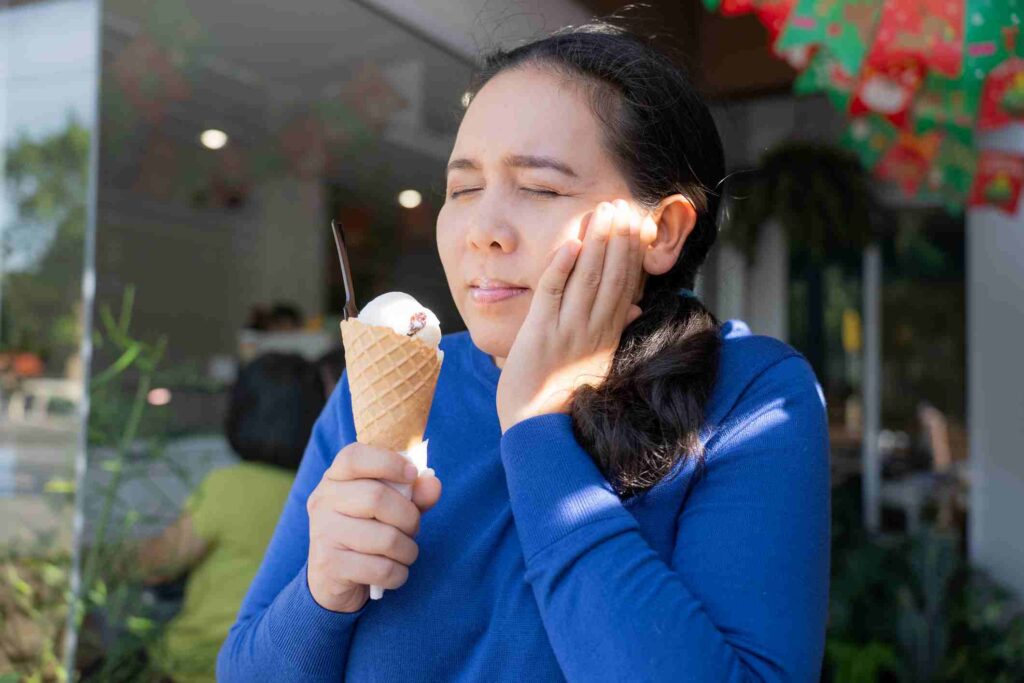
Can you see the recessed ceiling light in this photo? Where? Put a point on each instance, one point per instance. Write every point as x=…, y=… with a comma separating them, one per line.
x=213, y=138
x=409, y=199
x=159, y=396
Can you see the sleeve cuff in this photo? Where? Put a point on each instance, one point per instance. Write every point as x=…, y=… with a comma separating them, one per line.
x=553, y=484
x=310, y=635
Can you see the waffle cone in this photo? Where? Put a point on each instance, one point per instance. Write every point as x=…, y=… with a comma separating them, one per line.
x=392, y=379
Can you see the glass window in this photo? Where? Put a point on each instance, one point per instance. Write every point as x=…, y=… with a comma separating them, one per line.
x=48, y=81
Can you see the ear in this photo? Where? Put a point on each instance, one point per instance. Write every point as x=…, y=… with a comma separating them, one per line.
x=665, y=231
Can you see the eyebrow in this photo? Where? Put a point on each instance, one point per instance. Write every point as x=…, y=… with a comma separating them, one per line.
x=517, y=161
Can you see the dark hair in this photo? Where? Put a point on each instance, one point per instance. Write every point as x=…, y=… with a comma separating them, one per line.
x=287, y=313
x=272, y=408
x=330, y=366
x=646, y=416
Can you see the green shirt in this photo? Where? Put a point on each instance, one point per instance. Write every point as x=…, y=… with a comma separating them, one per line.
x=234, y=510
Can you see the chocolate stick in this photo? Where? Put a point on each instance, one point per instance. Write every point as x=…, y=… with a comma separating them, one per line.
x=350, y=310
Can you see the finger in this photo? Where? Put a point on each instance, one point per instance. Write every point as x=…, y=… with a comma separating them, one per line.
x=586, y=273
x=372, y=537
x=362, y=461
x=547, y=299
x=612, y=295
x=370, y=499
x=372, y=570
x=426, y=491
x=636, y=258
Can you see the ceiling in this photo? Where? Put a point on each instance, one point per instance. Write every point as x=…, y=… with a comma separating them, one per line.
x=251, y=67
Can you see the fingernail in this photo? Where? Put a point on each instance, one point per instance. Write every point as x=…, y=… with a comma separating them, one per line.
x=430, y=471
x=411, y=472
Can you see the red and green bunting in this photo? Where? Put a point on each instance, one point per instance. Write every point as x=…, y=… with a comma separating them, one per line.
x=918, y=78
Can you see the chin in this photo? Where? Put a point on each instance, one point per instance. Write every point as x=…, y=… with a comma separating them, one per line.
x=492, y=337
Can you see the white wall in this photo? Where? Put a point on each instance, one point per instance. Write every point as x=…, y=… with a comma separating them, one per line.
x=472, y=26
x=995, y=368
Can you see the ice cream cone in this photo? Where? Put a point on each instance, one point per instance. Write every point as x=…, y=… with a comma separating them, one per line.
x=391, y=379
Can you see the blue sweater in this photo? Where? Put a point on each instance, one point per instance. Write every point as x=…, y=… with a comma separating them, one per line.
x=531, y=568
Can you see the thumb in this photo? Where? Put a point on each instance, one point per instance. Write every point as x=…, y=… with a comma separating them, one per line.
x=426, y=490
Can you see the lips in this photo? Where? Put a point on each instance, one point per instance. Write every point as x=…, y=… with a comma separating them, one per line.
x=485, y=290
x=494, y=283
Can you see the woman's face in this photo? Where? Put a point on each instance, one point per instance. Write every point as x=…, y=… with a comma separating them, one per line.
x=527, y=166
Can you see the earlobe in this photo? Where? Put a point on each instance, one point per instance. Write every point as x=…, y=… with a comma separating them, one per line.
x=671, y=224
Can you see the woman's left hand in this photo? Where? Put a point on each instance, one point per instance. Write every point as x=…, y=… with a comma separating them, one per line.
x=580, y=307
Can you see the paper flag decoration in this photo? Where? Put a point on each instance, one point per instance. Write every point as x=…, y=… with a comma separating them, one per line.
x=906, y=162
x=917, y=78
x=999, y=180
x=1002, y=99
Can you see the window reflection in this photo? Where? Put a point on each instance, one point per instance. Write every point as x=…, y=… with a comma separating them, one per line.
x=48, y=61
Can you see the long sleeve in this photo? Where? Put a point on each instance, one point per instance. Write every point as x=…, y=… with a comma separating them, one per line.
x=745, y=597
x=281, y=633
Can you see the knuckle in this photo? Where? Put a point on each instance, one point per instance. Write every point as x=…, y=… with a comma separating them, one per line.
x=383, y=569
x=552, y=289
x=393, y=539
x=397, y=575
x=592, y=279
x=377, y=495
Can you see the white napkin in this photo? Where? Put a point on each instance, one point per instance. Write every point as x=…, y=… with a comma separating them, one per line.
x=417, y=455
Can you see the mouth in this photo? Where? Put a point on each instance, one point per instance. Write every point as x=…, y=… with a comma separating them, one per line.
x=487, y=291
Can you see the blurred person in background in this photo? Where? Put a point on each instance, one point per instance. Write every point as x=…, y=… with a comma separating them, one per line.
x=227, y=522
x=285, y=317
x=281, y=316
x=330, y=366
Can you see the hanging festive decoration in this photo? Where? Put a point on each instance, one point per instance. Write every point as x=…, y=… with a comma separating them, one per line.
x=917, y=78
x=999, y=181
x=1002, y=99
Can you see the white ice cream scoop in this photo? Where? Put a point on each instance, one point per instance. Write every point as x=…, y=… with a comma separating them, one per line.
x=404, y=315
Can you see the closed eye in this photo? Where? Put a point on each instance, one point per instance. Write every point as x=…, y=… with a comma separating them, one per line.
x=543, y=193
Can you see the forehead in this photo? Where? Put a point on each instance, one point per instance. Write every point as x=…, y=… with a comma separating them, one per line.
x=530, y=111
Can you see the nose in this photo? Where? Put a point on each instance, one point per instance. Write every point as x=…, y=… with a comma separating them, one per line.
x=490, y=230
x=488, y=236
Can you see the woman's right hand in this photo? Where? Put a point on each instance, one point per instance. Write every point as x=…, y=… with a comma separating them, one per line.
x=360, y=529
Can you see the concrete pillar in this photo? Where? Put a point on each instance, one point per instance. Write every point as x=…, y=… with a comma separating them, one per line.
x=767, y=299
x=871, y=463
x=995, y=381
x=730, y=290
x=283, y=248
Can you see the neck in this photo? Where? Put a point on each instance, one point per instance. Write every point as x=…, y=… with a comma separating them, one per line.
x=500, y=362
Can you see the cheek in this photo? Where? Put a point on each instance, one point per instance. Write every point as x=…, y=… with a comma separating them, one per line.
x=447, y=247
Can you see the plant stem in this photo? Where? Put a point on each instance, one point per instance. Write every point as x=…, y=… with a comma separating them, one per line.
x=127, y=438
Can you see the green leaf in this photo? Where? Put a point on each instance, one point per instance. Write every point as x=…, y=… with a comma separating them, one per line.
x=117, y=367
x=57, y=485
x=140, y=626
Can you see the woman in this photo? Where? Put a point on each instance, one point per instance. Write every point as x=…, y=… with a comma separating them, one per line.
x=223, y=532
x=631, y=492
